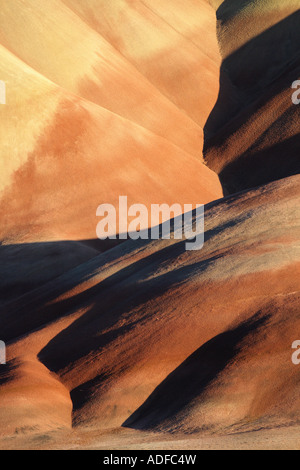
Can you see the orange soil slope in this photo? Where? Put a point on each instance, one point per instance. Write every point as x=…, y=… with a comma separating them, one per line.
x=82, y=155
x=81, y=126
x=172, y=43
x=86, y=156
x=61, y=156
x=61, y=46
x=205, y=337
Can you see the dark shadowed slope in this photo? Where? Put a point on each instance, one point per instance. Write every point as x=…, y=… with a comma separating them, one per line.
x=82, y=126
x=252, y=133
x=262, y=143
x=27, y=266
x=111, y=101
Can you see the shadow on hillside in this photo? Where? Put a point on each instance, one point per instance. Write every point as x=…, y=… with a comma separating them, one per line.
x=247, y=73
x=27, y=266
x=190, y=380
x=37, y=307
x=246, y=77
x=263, y=166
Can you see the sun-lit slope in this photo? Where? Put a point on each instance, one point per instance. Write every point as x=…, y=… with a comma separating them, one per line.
x=144, y=308
x=172, y=43
x=69, y=155
x=28, y=95
x=193, y=19
x=31, y=106
x=32, y=399
x=53, y=40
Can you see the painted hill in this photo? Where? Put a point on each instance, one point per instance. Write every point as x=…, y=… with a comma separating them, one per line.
x=109, y=98
x=219, y=361
x=86, y=127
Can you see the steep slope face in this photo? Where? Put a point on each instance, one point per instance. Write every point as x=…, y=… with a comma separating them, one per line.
x=86, y=156
x=62, y=155
x=68, y=156
x=59, y=45
x=262, y=143
x=28, y=95
x=254, y=122
x=219, y=320
x=241, y=380
x=148, y=335
x=172, y=43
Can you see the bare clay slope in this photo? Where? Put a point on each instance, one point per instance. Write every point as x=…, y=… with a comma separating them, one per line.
x=62, y=155
x=172, y=43
x=252, y=133
x=147, y=335
x=153, y=336
x=64, y=48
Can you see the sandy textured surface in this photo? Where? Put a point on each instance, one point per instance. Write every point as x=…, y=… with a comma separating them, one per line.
x=83, y=125
x=278, y=439
x=253, y=129
x=147, y=345
x=151, y=336
x=87, y=126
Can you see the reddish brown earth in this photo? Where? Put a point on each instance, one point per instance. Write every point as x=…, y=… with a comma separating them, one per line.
x=147, y=345
x=87, y=126
x=151, y=336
